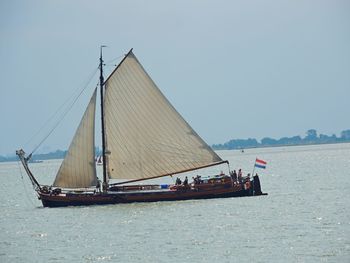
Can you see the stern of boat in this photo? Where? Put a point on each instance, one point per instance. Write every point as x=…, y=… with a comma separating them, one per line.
x=256, y=186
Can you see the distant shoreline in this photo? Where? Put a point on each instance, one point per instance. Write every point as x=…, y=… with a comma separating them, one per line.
x=311, y=138
x=287, y=145
x=61, y=154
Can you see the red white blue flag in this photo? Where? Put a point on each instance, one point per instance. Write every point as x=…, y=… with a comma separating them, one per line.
x=260, y=163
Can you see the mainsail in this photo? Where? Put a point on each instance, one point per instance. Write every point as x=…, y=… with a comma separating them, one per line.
x=145, y=136
x=78, y=167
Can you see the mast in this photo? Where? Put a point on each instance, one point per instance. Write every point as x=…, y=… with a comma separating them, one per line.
x=105, y=183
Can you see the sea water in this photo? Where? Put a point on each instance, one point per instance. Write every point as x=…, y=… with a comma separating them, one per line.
x=304, y=218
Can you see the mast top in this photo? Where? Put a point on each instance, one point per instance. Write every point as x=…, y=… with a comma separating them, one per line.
x=102, y=46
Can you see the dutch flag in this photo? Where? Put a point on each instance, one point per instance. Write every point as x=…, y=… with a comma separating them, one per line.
x=260, y=163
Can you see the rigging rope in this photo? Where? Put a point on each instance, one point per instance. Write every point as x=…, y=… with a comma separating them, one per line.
x=112, y=60
x=69, y=107
x=24, y=186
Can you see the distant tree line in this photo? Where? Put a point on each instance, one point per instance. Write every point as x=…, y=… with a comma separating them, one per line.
x=311, y=138
x=36, y=157
x=58, y=154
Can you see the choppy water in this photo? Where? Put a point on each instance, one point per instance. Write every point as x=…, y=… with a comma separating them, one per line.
x=305, y=217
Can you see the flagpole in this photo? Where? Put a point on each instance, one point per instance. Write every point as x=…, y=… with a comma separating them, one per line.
x=254, y=167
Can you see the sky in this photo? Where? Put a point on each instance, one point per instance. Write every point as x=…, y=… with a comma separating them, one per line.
x=233, y=69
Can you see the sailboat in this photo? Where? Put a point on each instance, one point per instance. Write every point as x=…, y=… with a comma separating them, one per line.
x=99, y=160
x=143, y=137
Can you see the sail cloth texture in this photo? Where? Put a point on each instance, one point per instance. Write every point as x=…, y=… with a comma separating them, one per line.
x=78, y=168
x=145, y=135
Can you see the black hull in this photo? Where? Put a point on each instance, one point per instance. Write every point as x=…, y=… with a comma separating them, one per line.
x=109, y=201
x=81, y=199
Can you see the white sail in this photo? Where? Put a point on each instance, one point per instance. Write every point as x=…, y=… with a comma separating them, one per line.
x=78, y=167
x=145, y=135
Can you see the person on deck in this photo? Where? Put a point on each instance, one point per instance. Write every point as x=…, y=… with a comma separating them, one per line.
x=234, y=176
x=98, y=185
x=178, y=181
x=197, y=179
x=240, y=175
x=185, y=181
x=194, y=179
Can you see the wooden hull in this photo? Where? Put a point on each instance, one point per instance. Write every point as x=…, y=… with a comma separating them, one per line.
x=117, y=197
